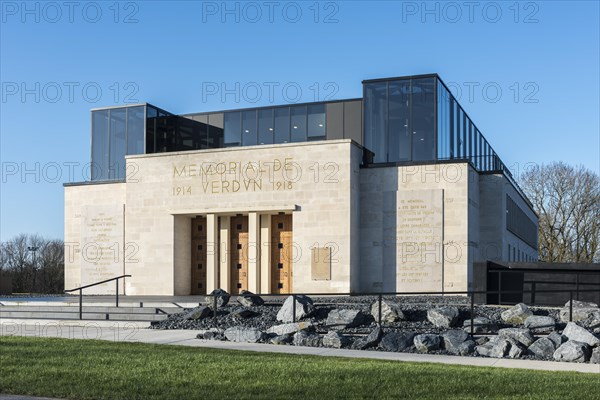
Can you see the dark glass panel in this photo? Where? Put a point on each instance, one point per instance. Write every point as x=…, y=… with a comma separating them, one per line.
x=443, y=119
x=316, y=121
x=118, y=148
x=265, y=126
x=298, y=123
x=423, y=119
x=460, y=133
x=282, y=125
x=99, y=168
x=465, y=132
x=215, y=131
x=166, y=132
x=233, y=128
x=452, y=128
x=399, y=137
x=477, y=154
x=135, y=130
x=151, y=117
x=249, y=129
x=188, y=134
x=472, y=143
x=375, y=112
x=161, y=132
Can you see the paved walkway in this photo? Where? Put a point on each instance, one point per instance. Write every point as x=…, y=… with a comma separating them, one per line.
x=13, y=397
x=126, y=333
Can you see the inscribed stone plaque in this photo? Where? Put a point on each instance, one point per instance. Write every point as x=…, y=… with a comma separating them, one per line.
x=419, y=240
x=321, y=263
x=101, y=247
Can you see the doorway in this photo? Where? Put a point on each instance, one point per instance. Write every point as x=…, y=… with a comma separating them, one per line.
x=239, y=254
x=281, y=254
x=198, y=255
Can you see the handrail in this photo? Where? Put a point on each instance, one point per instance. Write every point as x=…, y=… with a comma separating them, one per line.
x=116, y=278
x=97, y=283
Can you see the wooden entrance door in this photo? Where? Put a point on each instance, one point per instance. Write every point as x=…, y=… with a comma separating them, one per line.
x=199, y=255
x=281, y=253
x=239, y=254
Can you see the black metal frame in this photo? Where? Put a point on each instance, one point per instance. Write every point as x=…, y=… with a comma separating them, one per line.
x=96, y=284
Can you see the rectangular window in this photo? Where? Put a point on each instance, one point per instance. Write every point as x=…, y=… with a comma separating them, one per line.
x=399, y=136
x=452, y=129
x=99, y=167
x=265, y=126
x=215, y=136
x=460, y=133
x=375, y=112
x=518, y=223
x=443, y=128
x=298, y=121
x=232, y=122
x=249, y=128
x=117, y=137
x=316, y=122
x=423, y=119
x=151, y=117
x=135, y=130
x=282, y=125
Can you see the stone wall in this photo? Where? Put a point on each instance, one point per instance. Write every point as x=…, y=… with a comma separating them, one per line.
x=411, y=213
x=408, y=228
x=314, y=181
x=94, y=246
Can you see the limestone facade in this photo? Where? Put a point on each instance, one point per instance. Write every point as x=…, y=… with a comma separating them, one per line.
x=385, y=228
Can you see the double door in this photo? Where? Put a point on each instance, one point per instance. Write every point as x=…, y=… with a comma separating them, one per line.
x=238, y=254
x=198, y=255
x=281, y=254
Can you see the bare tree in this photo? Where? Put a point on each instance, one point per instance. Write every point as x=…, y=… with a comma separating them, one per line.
x=40, y=271
x=567, y=200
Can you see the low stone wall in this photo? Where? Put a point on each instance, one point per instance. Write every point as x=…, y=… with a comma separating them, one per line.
x=436, y=325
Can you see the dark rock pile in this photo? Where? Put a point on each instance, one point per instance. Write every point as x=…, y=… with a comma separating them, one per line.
x=436, y=325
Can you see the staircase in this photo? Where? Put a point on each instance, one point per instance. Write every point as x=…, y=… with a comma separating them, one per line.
x=24, y=310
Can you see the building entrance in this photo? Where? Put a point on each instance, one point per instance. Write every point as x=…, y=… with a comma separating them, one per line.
x=198, y=255
x=281, y=253
x=239, y=254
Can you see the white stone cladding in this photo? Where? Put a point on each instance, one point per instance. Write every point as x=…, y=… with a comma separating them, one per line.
x=367, y=216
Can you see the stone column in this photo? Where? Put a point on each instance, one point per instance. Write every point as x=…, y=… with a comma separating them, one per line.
x=224, y=270
x=265, y=251
x=212, y=252
x=253, y=252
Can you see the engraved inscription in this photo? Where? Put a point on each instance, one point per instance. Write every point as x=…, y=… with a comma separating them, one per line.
x=419, y=238
x=102, y=246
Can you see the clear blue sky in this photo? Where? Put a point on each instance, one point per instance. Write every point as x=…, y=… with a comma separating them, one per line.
x=543, y=56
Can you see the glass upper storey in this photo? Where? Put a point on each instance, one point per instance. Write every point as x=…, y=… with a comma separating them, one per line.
x=398, y=120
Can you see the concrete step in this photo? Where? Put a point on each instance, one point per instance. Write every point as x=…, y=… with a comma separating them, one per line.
x=123, y=303
x=17, y=326
x=85, y=315
x=92, y=309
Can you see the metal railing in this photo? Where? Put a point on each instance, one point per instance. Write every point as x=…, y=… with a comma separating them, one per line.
x=116, y=279
x=471, y=294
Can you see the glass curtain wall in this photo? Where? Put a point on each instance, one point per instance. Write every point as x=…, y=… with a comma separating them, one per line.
x=418, y=119
x=275, y=125
x=166, y=132
x=116, y=132
x=400, y=119
x=459, y=138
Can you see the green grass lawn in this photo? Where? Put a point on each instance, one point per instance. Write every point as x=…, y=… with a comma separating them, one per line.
x=87, y=369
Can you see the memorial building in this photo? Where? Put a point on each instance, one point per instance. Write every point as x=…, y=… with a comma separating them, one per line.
x=397, y=191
